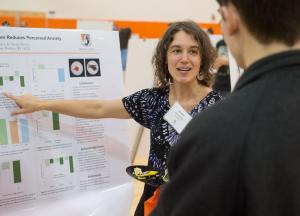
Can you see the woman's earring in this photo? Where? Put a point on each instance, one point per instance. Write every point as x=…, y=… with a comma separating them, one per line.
x=199, y=77
x=168, y=78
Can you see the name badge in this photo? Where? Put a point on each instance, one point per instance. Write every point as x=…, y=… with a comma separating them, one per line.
x=177, y=117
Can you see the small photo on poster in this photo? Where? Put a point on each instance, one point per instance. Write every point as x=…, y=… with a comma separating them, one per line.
x=92, y=67
x=76, y=67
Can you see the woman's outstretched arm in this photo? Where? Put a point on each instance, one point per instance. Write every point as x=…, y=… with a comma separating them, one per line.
x=78, y=108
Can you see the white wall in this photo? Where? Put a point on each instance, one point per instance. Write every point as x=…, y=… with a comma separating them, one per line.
x=145, y=10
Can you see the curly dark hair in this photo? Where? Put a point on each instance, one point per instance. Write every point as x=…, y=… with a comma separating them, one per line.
x=208, y=53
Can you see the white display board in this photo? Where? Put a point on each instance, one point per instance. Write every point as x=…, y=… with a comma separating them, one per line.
x=52, y=161
x=139, y=74
x=215, y=39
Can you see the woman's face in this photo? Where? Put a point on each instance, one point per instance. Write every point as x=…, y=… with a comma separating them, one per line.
x=183, y=58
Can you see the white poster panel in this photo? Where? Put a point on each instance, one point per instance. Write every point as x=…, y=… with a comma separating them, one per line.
x=215, y=39
x=47, y=157
x=139, y=74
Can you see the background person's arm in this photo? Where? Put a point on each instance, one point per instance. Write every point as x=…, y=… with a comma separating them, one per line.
x=78, y=108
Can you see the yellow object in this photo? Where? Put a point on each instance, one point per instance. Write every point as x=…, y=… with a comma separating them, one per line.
x=142, y=175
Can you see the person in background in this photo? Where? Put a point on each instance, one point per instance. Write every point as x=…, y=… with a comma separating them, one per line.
x=182, y=63
x=210, y=31
x=222, y=80
x=242, y=156
x=124, y=36
x=5, y=23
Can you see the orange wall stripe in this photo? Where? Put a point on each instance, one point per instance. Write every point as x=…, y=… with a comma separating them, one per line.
x=141, y=28
x=214, y=26
x=33, y=22
x=62, y=23
x=157, y=29
x=144, y=29
x=11, y=20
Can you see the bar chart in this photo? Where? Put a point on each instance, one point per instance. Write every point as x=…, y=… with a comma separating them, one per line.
x=57, y=172
x=50, y=127
x=61, y=75
x=47, y=78
x=55, y=121
x=57, y=73
x=14, y=131
x=11, y=170
x=17, y=177
x=61, y=161
x=12, y=80
x=54, y=116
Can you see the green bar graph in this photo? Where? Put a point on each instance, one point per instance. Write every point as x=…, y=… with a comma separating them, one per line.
x=71, y=164
x=22, y=81
x=12, y=78
x=62, y=162
x=17, y=171
x=55, y=119
x=3, y=132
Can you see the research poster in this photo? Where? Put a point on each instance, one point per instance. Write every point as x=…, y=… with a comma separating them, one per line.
x=46, y=156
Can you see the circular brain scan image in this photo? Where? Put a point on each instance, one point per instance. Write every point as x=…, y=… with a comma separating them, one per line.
x=92, y=67
x=76, y=68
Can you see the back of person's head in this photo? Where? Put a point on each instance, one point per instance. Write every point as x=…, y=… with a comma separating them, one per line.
x=124, y=35
x=210, y=31
x=222, y=48
x=270, y=20
x=207, y=52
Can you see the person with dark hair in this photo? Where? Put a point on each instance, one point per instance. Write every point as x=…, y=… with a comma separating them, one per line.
x=222, y=79
x=210, y=31
x=5, y=23
x=221, y=47
x=124, y=36
x=242, y=156
x=182, y=62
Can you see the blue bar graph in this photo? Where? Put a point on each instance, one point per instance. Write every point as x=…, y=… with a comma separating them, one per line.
x=61, y=75
x=25, y=130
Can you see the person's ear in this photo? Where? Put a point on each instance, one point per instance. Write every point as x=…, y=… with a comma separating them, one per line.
x=231, y=18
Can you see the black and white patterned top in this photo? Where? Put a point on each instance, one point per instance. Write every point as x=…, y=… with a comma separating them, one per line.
x=147, y=107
